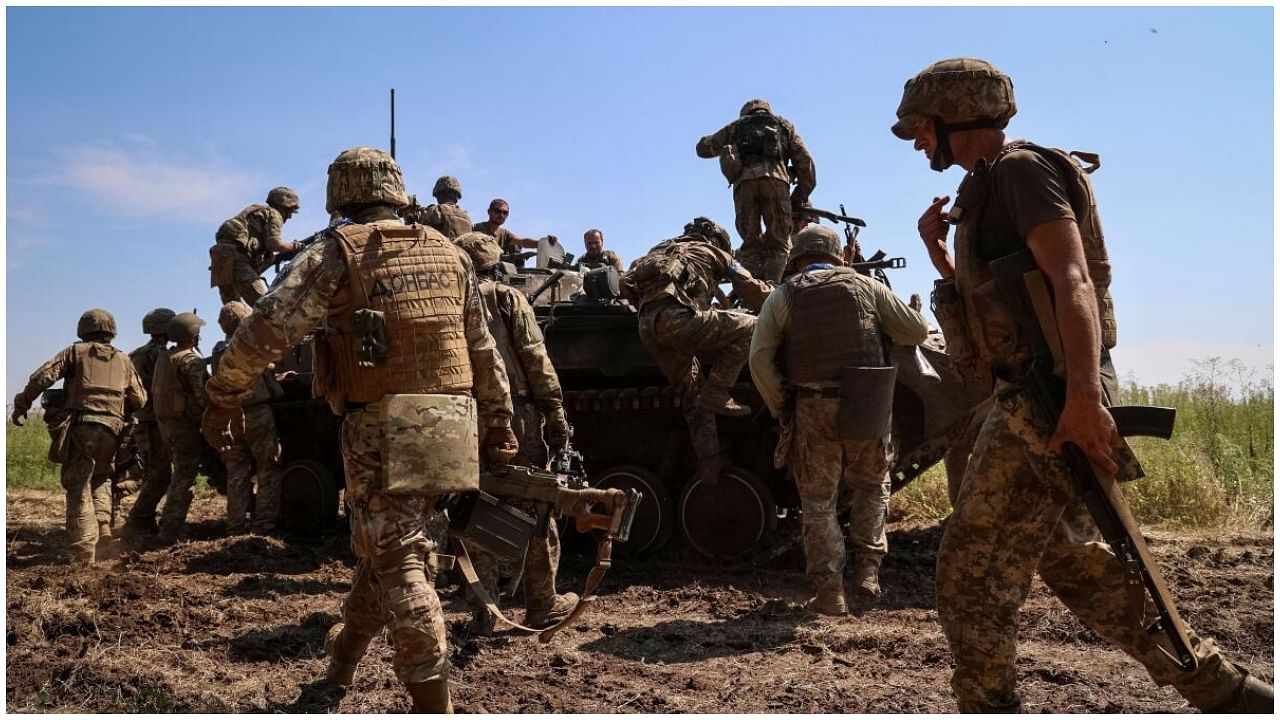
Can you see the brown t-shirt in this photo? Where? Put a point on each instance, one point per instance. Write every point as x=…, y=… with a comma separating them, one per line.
x=1026, y=189
x=504, y=237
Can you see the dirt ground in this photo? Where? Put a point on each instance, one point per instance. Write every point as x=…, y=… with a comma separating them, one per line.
x=237, y=624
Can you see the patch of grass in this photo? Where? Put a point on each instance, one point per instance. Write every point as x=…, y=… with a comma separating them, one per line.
x=27, y=455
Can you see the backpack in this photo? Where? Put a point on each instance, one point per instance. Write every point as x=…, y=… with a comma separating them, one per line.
x=661, y=267
x=758, y=135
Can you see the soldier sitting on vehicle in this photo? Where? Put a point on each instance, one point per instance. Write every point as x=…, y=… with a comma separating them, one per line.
x=510, y=243
x=596, y=256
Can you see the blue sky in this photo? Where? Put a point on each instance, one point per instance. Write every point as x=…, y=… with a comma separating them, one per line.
x=132, y=133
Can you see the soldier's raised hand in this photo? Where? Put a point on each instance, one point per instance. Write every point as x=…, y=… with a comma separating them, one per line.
x=934, y=229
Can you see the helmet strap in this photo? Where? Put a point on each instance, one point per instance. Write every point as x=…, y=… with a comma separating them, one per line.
x=943, y=157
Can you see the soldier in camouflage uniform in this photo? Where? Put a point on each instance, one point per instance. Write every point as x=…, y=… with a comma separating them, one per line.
x=157, y=468
x=672, y=286
x=247, y=244
x=535, y=396
x=101, y=391
x=445, y=216
x=256, y=451
x=761, y=155
x=499, y=210
x=179, y=399
x=823, y=319
x=405, y=321
x=596, y=256
x=1017, y=511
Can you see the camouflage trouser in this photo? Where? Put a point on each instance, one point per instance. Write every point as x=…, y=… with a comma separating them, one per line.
x=1017, y=514
x=763, y=254
x=822, y=466
x=86, y=478
x=393, y=585
x=248, y=290
x=542, y=558
x=957, y=457
x=676, y=336
x=258, y=450
x=186, y=445
x=157, y=473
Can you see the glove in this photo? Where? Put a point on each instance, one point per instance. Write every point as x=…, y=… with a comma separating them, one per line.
x=799, y=198
x=558, y=429
x=499, y=445
x=19, y=417
x=222, y=426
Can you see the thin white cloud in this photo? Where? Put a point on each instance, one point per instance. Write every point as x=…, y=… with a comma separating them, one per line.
x=140, y=184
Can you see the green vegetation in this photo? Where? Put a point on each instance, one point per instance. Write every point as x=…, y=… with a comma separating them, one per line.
x=27, y=462
x=1218, y=470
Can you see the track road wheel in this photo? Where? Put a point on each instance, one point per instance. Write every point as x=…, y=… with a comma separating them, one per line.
x=729, y=518
x=655, y=518
x=308, y=497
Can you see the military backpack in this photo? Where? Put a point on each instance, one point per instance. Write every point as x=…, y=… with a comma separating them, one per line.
x=758, y=135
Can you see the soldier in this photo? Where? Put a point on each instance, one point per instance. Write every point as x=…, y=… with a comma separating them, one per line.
x=761, y=155
x=247, y=244
x=101, y=391
x=156, y=461
x=1017, y=511
x=672, y=286
x=445, y=215
x=256, y=450
x=823, y=319
x=596, y=256
x=535, y=396
x=509, y=241
x=407, y=327
x=178, y=390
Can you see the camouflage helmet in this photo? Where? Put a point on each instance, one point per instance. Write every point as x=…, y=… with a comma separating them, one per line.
x=483, y=249
x=364, y=175
x=231, y=315
x=963, y=92
x=709, y=230
x=283, y=198
x=95, y=321
x=185, y=327
x=156, y=322
x=754, y=105
x=447, y=182
x=815, y=240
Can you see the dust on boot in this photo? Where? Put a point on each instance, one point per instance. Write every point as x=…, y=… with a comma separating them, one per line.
x=829, y=597
x=545, y=613
x=345, y=649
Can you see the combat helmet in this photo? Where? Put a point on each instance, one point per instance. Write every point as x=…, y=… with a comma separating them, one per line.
x=185, y=327
x=283, y=198
x=483, y=249
x=753, y=105
x=156, y=322
x=815, y=240
x=709, y=230
x=231, y=315
x=959, y=94
x=447, y=183
x=96, y=322
x=363, y=175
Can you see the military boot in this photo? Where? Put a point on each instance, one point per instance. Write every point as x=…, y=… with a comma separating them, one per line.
x=721, y=404
x=431, y=696
x=482, y=623
x=344, y=648
x=866, y=576
x=1252, y=697
x=829, y=598
x=545, y=613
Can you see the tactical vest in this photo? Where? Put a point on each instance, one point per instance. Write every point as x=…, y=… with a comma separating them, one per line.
x=667, y=271
x=833, y=326
x=992, y=324
x=501, y=313
x=169, y=397
x=417, y=279
x=101, y=377
x=144, y=363
x=757, y=136
x=454, y=221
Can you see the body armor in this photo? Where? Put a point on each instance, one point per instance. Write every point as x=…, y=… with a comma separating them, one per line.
x=98, y=386
x=992, y=324
x=454, y=219
x=757, y=136
x=144, y=363
x=170, y=398
x=416, y=279
x=824, y=339
x=498, y=303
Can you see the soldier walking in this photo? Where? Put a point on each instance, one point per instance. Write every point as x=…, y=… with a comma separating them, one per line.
x=408, y=337
x=825, y=319
x=157, y=468
x=179, y=400
x=247, y=244
x=761, y=155
x=101, y=390
x=1017, y=511
x=535, y=397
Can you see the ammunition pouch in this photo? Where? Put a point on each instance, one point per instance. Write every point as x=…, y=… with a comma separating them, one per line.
x=372, y=344
x=222, y=264
x=494, y=524
x=730, y=164
x=945, y=303
x=59, y=423
x=430, y=444
x=866, y=403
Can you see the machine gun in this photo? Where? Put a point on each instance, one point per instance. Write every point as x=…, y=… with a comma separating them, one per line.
x=504, y=530
x=1023, y=287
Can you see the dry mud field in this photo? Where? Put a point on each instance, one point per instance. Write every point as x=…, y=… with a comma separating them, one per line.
x=237, y=624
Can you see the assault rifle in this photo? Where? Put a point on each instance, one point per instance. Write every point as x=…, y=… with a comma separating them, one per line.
x=873, y=266
x=1024, y=287
x=306, y=242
